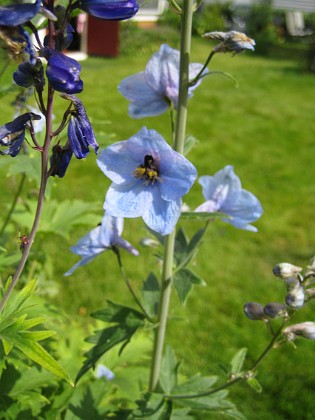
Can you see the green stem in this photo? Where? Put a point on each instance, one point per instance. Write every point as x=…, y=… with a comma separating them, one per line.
x=167, y=271
x=126, y=279
x=237, y=378
x=17, y=195
x=199, y=75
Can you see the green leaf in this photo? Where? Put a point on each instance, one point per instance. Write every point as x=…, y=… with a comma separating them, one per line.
x=127, y=322
x=195, y=385
x=169, y=368
x=212, y=402
x=37, y=335
x=254, y=384
x=184, y=280
x=38, y=354
x=26, y=164
x=181, y=414
x=187, y=252
x=151, y=295
x=238, y=361
x=202, y=216
x=152, y=406
x=190, y=143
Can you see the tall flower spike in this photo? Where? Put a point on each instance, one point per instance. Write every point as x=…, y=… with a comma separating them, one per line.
x=12, y=134
x=152, y=91
x=224, y=193
x=110, y=9
x=232, y=41
x=100, y=239
x=63, y=72
x=80, y=131
x=149, y=179
x=17, y=14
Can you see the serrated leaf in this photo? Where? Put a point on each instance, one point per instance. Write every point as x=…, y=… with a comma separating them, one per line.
x=184, y=280
x=151, y=295
x=127, y=322
x=169, y=368
x=195, y=385
x=254, y=384
x=38, y=354
x=181, y=414
x=238, y=361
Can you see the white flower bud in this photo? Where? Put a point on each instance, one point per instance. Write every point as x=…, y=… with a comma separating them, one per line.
x=295, y=298
x=286, y=270
x=304, y=329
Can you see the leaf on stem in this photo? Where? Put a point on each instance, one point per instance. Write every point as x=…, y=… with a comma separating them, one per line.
x=169, y=369
x=184, y=280
x=238, y=361
x=151, y=295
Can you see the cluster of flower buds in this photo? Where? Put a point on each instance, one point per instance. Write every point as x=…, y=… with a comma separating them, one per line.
x=297, y=293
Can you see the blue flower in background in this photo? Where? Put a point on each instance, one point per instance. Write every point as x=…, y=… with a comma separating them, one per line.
x=224, y=193
x=152, y=91
x=12, y=134
x=104, y=237
x=80, y=131
x=110, y=9
x=103, y=371
x=149, y=179
x=17, y=14
x=63, y=72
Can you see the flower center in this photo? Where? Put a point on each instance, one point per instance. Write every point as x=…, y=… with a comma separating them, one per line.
x=148, y=171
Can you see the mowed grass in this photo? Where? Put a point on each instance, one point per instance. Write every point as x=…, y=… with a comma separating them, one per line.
x=265, y=128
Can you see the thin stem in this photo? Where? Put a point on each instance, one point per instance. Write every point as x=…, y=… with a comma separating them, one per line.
x=199, y=75
x=167, y=271
x=17, y=194
x=126, y=279
x=254, y=366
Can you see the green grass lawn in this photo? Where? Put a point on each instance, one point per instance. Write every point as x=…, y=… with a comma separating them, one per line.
x=265, y=128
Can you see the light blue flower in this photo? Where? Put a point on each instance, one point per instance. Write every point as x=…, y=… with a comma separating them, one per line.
x=152, y=91
x=104, y=237
x=149, y=179
x=224, y=193
x=103, y=371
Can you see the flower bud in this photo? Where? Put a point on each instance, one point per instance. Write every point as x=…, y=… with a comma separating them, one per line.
x=254, y=311
x=286, y=270
x=59, y=160
x=110, y=9
x=295, y=297
x=304, y=329
x=275, y=309
x=63, y=72
x=28, y=75
x=232, y=41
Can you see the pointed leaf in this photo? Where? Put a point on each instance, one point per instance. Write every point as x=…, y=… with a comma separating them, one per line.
x=38, y=354
x=119, y=314
x=195, y=385
x=238, y=361
x=7, y=346
x=169, y=368
x=151, y=295
x=254, y=384
x=37, y=335
x=184, y=280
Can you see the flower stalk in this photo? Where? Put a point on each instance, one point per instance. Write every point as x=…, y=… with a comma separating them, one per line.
x=167, y=272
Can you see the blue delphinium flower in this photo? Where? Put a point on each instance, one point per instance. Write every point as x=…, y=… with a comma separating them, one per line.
x=60, y=160
x=29, y=74
x=12, y=134
x=224, y=193
x=103, y=371
x=17, y=14
x=80, y=131
x=152, y=91
x=63, y=72
x=149, y=179
x=110, y=9
x=104, y=237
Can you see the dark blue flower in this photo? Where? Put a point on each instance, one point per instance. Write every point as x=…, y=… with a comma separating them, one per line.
x=28, y=75
x=63, y=72
x=80, y=131
x=110, y=9
x=60, y=159
x=17, y=14
x=12, y=134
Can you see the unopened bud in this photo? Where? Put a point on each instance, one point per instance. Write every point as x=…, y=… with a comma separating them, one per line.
x=254, y=311
x=304, y=329
x=295, y=297
x=309, y=294
x=275, y=309
x=286, y=270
